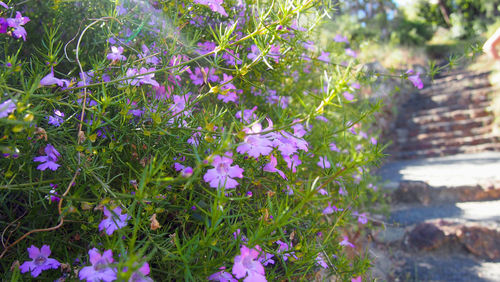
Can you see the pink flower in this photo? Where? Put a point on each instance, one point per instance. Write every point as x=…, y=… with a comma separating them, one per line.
x=345, y=242
x=223, y=173
x=116, y=54
x=214, y=5
x=271, y=167
x=248, y=264
x=415, y=79
x=40, y=261
x=114, y=220
x=255, y=144
x=292, y=162
x=100, y=270
x=357, y=279
x=324, y=163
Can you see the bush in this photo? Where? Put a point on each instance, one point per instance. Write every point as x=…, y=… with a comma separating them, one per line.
x=177, y=139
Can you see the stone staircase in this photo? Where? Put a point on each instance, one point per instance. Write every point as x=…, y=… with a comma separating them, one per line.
x=448, y=117
x=444, y=187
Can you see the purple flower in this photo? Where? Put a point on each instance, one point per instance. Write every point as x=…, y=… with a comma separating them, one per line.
x=17, y=24
x=50, y=80
x=49, y=160
x=321, y=262
x=248, y=115
x=230, y=58
x=325, y=57
x=334, y=147
x=146, y=53
x=56, y=119
x=415, y=79
x=348, y=96
x=373, y=140
x=40, y=261
x=4, y=5
x=351, y=53
x=271, y=167
x=292, y=162
x=330, y=209
x=3, y=26
x=339, y=38
x=255, y=144
x=140, y=275
x=284, y=249
x=114, y=220
x=206, y=47
x=361, y=217
x=148, y=79
x=7, y=107
x=100, y=270
x=187, y=171
x=222, y=276
x=274, y=53
x=345, y=242
x=228, y=90
x=324, y=163
x=248, y=264
x=223, y=173
x=116, y=54
x=214, y=5
x=254, y=52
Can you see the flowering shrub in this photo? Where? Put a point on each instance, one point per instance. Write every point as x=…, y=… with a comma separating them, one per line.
x=187, y=140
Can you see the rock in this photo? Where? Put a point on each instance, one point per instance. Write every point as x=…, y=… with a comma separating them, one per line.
x=426, y=236
x=412, y=192
x=481, y=241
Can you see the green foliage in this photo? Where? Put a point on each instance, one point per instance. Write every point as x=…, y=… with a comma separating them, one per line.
x=124, y=144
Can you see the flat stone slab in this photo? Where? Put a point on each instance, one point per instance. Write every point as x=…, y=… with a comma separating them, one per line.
x=451, y=171
x=487, y=212
x=453, y=268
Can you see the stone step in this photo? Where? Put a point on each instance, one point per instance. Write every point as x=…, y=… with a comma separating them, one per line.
x=459, y=75
x=463, y=125
x=451, y=171
x=425, y=137
x=449, y=143
x=447, y=108
x=462, y=114
x=459, y=114
x=471, y=82
x=462, y=97
x=419, y=192
x=431, y=153
x=442, y=267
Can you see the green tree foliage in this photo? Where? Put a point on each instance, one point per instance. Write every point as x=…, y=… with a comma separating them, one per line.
x=470, y=16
